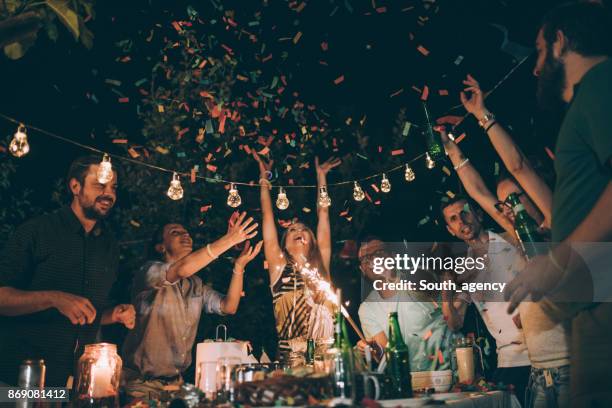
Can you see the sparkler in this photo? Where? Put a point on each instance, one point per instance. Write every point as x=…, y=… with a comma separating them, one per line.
x=312, y=276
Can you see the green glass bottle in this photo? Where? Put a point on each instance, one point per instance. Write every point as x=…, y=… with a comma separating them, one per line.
x=343, y=379
x=525, y=228
x=432, y=138
x=398, y=360
x=310, y=351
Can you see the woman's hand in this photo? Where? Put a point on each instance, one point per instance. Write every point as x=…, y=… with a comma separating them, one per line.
x=248, y=254
x=323, y=169
x=264, y=167
x=475, y=103
x=239, y=229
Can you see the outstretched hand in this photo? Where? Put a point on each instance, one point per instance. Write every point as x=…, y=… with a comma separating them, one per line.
x=264, y=166
x=239, y=229
x=329, y=164
x=248, y=254
x=474, y=104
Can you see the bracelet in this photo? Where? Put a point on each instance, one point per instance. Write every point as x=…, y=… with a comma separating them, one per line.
x=210, y=252
x=486, y=119
x=463, y=163
x=237, y=273
x=493, y=122
x=265, y=182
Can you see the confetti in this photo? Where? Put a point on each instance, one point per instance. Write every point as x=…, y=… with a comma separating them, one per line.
x=397, y=152
x=339, y=80
x=423, y=50
x=425, y=93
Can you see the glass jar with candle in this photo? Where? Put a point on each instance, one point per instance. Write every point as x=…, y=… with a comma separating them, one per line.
x=99, y=372
x=467, y=360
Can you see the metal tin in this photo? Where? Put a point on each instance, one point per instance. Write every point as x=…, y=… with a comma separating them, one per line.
x=32, y=374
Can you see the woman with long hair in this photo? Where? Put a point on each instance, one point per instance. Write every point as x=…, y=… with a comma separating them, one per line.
x=300, y=312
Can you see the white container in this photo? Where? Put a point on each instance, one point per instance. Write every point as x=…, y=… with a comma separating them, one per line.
x=441, y=381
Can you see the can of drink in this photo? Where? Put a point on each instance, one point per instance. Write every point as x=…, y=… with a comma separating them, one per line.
x=32, y=374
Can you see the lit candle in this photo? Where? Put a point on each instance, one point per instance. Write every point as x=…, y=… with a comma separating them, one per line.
x=101, y=377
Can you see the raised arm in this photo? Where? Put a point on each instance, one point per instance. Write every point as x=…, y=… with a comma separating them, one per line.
x=229, y=304
x=323, y=227
x=514, y=159
x=473, y=183
x=239, y=230
x=272, y=249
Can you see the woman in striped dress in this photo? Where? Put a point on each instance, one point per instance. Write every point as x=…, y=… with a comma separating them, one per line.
x=300, y=312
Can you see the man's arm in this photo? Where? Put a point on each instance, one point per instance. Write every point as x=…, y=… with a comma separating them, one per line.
x=474, y=184
x=15, y=302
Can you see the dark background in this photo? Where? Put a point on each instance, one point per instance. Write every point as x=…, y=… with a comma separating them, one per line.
x=51, y=87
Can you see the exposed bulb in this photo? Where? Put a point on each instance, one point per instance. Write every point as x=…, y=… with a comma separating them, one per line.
x=282, y=202
x=409, y=173
x=324, y=198
x=175, y=191
x=358, y=193
x=19, y=146
x=233, y=199
x=385, y=184
x=451, y=136
x=429, y=161
x=105, y=170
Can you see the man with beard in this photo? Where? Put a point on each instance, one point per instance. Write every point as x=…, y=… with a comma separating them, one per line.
x=573, y=66
x=464, y=221
x=55, y=277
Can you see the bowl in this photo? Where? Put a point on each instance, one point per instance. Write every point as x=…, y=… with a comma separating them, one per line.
x=441, y=381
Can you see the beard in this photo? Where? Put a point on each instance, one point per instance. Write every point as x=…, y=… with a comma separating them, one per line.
x=551, y=84
x=91, y=212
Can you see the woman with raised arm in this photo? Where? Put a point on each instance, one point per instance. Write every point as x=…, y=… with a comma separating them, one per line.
x=300, y=312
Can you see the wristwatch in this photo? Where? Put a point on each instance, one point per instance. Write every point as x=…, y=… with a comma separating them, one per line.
x=486, y=119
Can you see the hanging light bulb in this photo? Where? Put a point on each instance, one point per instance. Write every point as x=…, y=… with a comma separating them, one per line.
x=429, y=161
x=105, y=170
x=282, y=202
x=409, y=173
x=233, y=199
x=175, y=191
x=324, y=198
x=19, y=146
x=385, y=184
x=358, y=193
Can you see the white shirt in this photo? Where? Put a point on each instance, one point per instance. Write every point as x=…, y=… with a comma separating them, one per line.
x=503, y=262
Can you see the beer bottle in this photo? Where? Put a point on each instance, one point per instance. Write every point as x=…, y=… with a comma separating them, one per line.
x=525, y=228
x=310, y=351
x=398, y=360
x=432, y=138
x=343, y=372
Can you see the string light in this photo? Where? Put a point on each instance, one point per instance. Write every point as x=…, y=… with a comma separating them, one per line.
x=385, y=184
x=358, y=193
x=105, y=170
x=282, y=202
x=175, y=191
x=324, y=198
x=429, y=161
x=19, y=146
x=409, y=173
x=233, y=199
x=451, y=136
